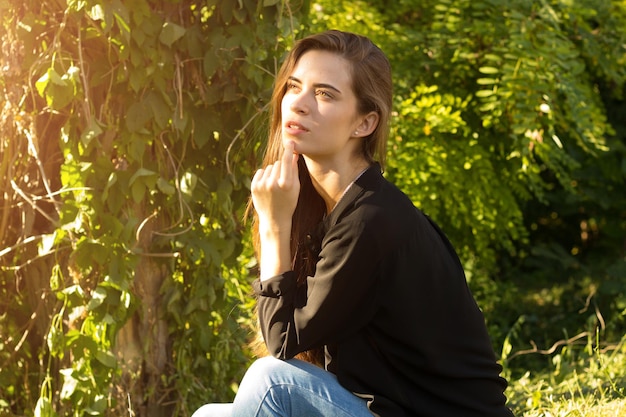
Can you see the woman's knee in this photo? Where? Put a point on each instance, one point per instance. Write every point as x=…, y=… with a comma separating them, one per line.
x=264, y=369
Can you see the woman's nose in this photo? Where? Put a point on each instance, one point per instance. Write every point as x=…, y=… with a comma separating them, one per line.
x=300, y=103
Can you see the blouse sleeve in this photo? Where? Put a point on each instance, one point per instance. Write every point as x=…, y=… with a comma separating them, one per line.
x=337, y=301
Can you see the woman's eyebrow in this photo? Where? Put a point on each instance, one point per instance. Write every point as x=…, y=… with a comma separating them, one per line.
x=317, y=85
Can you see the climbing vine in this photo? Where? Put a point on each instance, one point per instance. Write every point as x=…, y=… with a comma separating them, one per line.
x=135, y=134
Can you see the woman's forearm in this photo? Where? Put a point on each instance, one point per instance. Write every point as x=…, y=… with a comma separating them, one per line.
x=275, y=250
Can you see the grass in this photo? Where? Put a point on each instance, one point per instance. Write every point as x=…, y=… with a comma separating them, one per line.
x=582, y=408
x=583, y=382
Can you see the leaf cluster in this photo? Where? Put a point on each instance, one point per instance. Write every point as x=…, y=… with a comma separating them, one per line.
x=136, y=123
x=509, y=131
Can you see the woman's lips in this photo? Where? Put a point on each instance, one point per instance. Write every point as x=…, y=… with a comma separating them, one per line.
x=295, y=128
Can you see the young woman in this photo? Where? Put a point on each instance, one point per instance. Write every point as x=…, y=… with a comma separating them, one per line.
x=349, y=268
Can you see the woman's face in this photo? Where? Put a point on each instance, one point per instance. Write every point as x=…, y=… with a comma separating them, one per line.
x=319, y=108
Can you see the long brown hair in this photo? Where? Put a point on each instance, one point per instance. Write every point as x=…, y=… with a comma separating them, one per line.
x=372, y=86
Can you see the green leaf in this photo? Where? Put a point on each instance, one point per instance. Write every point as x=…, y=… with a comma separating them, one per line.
x=188, y=183
x=180, y=123
x=137, y=79
x=98, y=296
x=69, y=383
x=57, y=90
x=98, y=407
x=43, y=408
x=161, y=111
x=170, y=33
x=484, y=93
x=56, y=278
x=210, y=63
x=137, y=117
x=47, y=244
x=54, y=340
x=141, y=172
x=488, y=70
x=96, y=13
x=110, y=182
x=492, y=57
x=122, y=18
x=165, y=187
x=58, y=97
x=75, y=291
x=43, y=81
x=91, y=132
x=91, y=253
x=137, y=191
x=486, y=81
x=107, y=359
x=137, y=146
x=226, y=9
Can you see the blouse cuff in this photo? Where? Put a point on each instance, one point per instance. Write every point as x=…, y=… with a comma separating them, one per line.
x=275, y=287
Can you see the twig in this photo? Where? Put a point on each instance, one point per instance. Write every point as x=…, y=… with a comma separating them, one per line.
x=22, y=194
x=552, y=349
x=183, y=206
x=131, y=413
x=178, y=85
x=83, y=76
x=30, y=261
x=26, y=241
x=239, y=133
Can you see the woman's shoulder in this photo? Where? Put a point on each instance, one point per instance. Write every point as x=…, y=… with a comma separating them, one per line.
x=375, y=205
x=384, y=199
x=381, y=209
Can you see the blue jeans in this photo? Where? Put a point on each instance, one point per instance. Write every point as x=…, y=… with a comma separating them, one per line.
x=293, y=388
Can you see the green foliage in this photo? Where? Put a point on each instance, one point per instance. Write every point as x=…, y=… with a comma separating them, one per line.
x=491, y=97
x=510, y=131
x=141, y=106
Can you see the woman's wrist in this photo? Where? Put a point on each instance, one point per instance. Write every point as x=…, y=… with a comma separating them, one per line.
x=275, y=249
x=274, y=229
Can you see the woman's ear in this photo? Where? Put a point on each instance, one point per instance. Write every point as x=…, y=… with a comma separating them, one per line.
x=368, y=124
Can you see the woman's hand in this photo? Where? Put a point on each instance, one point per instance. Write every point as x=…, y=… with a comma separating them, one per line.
x=275, y=191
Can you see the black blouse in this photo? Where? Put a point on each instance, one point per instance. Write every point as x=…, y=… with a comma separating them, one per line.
x=390, y=303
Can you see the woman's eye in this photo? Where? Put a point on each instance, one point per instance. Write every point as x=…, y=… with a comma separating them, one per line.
x=323, y=93
x=291, y=86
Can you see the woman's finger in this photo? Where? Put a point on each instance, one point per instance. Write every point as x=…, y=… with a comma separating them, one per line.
x=257, y=178
x=262, y=178
x=273, y=174
x=287, y=172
